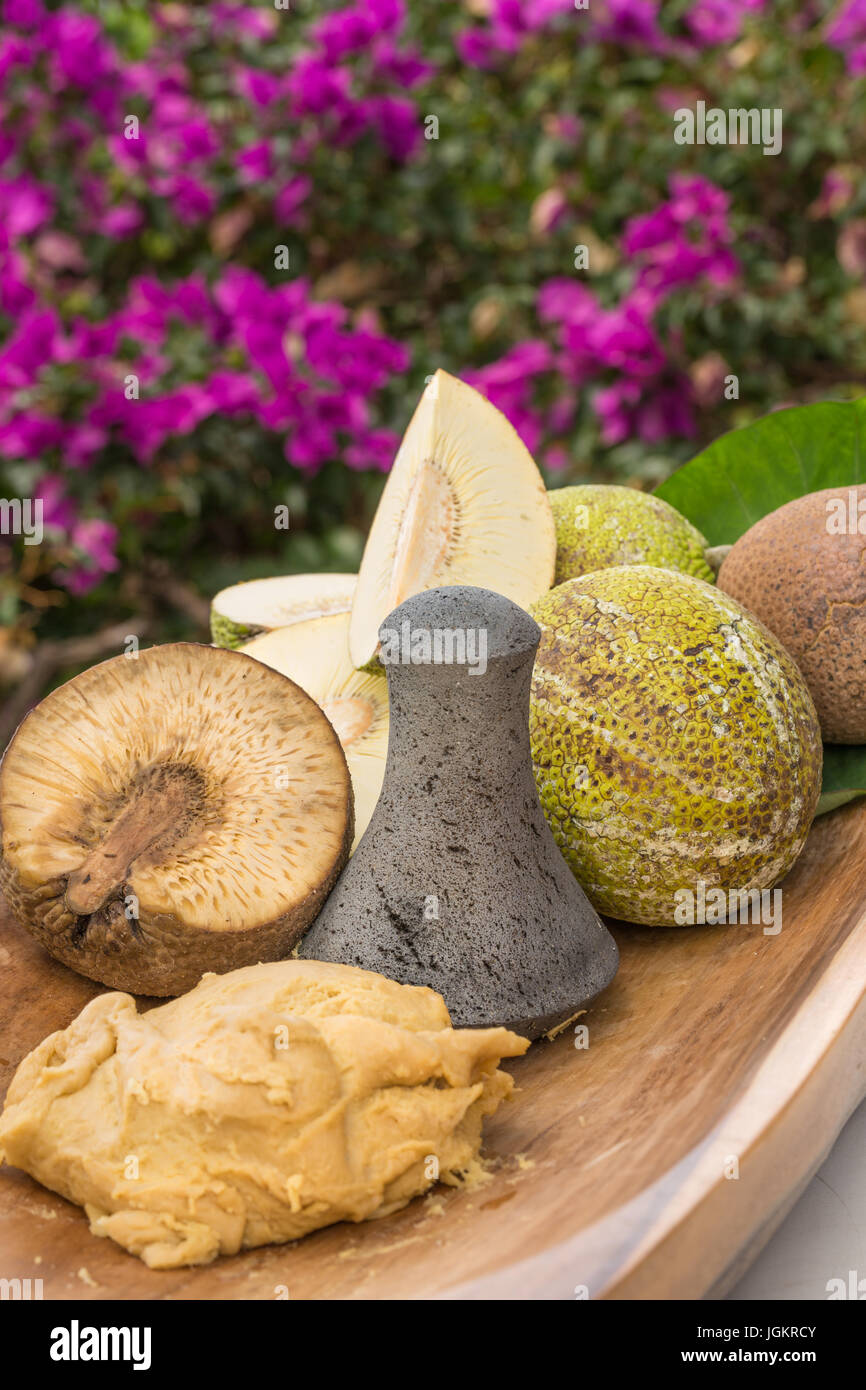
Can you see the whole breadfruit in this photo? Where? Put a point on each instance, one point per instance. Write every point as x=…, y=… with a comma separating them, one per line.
x=802, y=571
x=599, y=525
x=674, y=741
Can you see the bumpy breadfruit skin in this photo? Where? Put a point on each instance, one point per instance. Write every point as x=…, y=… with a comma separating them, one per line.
x=808, y=585
x=674, y=741
x=599, y=525
x=227, y=633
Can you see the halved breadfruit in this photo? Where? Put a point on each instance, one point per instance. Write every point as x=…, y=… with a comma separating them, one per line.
x=183, y=811
x=259, y=605
x=464, y=504
x=316, y=655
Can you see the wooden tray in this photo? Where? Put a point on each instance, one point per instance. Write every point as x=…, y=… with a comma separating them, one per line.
x=609, y=1168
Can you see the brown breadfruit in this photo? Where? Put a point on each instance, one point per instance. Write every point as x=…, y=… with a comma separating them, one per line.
x=802, y=571
x=184, y=811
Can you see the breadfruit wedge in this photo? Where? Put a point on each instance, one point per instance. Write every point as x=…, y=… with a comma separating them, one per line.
x=315, y=654
x=464, y=504
x=259, y=605
x=184, y=811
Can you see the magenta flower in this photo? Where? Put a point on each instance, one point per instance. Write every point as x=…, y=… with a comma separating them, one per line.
x=291, y=197
x=24, y=205
x=260, y=88
x=847, y=31
x=247, y=21
x=630, y=22
x=256, y=162
x=719, y=21
x=23, y=14
x=96, y=540
x=58, y=511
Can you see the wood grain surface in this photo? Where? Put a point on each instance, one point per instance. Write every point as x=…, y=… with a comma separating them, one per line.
x=609, y=1171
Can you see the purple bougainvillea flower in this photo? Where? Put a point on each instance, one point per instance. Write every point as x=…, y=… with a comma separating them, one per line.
x=79, y=53
x=97, y=541
x=120, y=222
x=372, y=449
x=397, y=121
x=31, y=345
x=406, y=67
x=196, y=139
x=24, y=205
x=630, y=22
x=837, y=190
x=847, y=31
x=249, y=20
x=315, y=87
x=192, y=200
x=14, y=52
x=29, y=434
x=849, y=22
x=233, y=391
x=685, y=239
x=345, y=31
x=719, y=21
x=256, y=162
x=259, y=87
x=566, y=301
x=292, y=197
x=23, y=14
x=58, y=510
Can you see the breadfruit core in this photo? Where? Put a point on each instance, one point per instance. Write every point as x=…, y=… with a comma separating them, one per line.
x=464, y=504
x=802, y=571
x=674, y=741
x=267, y=1103
x=183, y=811
x=599, y=525
x=260, y=605
x=315, y=655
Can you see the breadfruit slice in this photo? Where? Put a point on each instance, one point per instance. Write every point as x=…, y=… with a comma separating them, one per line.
x=315, y=654
x=259, y=605
x=184, y=811
x=464, y=504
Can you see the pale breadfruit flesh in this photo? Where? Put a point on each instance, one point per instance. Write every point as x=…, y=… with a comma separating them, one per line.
x=464, y=504
x=259, y=605
x=315, y=654
x=184, y=811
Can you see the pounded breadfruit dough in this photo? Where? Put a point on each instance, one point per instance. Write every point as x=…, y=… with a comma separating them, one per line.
x=260, y=1106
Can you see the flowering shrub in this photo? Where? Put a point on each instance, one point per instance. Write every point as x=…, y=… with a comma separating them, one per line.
x=234, y=239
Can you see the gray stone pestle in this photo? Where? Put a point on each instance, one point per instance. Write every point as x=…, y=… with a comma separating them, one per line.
x=458, y=882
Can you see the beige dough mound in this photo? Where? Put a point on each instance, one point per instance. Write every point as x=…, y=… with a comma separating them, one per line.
x=260, y=1106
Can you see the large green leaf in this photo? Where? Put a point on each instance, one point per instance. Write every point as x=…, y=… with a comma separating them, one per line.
x=844, y=775
x=752, y=471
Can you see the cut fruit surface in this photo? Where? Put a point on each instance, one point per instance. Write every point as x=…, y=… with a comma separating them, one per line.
x=315, y=654
x=464, y=504
x=259, y=605
x=184, y=811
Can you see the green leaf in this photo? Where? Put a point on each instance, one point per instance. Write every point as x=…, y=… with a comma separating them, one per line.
x=752, y=471
x=844, y=775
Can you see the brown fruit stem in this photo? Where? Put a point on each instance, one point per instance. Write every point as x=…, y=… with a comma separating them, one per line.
x=158, y=813
x=715, y=556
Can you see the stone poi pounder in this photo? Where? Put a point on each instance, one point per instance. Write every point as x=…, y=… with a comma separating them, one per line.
x=458, y=883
